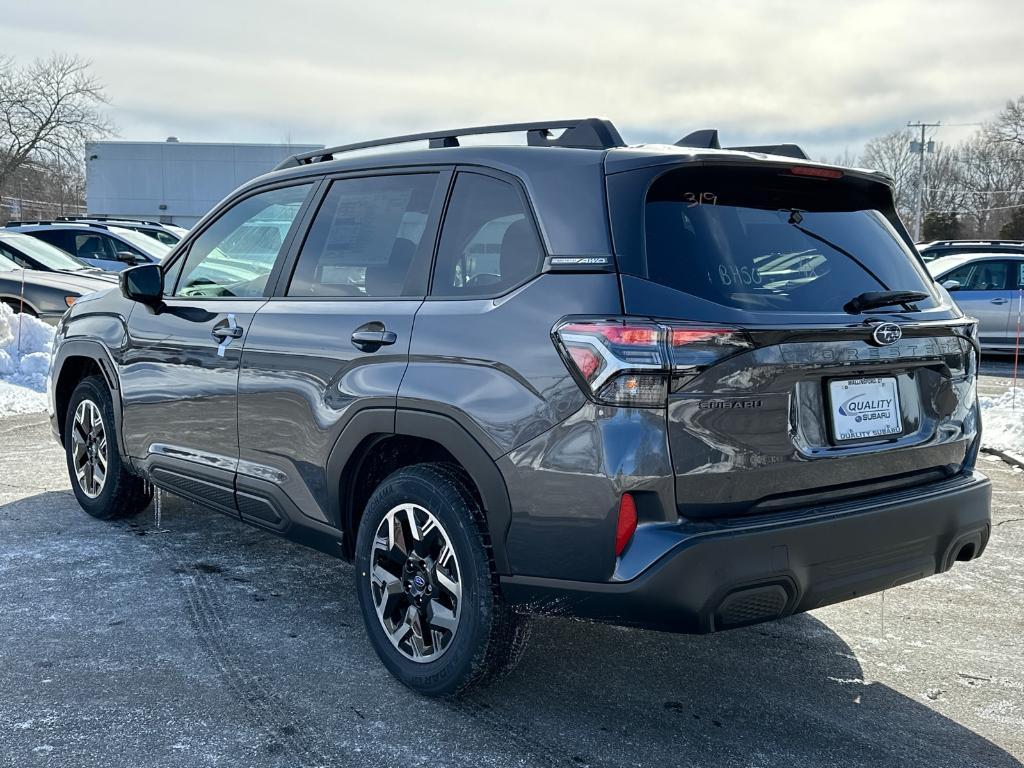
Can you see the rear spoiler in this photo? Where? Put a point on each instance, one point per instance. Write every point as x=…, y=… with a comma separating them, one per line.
x=708, y=139
x=786, y=150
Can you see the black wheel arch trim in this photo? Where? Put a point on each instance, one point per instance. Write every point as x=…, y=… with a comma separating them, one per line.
x=346, y=460
x=99, y=354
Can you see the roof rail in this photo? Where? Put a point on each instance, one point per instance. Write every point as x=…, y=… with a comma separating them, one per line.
x=968, y=241
x=104, y=218
x=584, y=133
x=97, y=224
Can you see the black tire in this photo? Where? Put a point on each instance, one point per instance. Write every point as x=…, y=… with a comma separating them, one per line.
x=490, y=638
x=121, y=494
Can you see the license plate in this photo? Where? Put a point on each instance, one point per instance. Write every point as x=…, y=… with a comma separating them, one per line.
x=865, y=408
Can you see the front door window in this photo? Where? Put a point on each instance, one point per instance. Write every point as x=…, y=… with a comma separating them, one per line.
x=234, y=256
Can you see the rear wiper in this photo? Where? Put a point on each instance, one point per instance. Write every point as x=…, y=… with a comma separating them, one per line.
x=796, y=217
x=875, y=299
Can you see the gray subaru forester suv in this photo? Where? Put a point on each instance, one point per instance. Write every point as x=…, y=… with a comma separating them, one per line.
x=678, y=387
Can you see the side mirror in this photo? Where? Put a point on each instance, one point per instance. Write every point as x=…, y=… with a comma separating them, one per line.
x=144, y=283
x=951, y=285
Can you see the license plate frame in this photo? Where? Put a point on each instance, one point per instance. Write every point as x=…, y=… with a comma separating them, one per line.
x=873, y=400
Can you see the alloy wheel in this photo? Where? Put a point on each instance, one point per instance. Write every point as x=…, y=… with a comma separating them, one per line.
x=89, y=448
x=415, y=582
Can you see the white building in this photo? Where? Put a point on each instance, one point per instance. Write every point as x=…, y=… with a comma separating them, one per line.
x=172, y=181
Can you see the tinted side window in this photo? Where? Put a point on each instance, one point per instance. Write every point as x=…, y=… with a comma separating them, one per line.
x=488, y=241
x=235, y=255
x=984, y=276
x=92, y=246
x=366, y=237
x=58, y=238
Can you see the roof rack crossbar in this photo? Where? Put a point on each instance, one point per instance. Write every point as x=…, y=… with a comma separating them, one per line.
x=583, y=133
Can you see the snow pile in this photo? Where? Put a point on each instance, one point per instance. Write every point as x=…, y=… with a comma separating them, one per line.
x=1002, y=420
x=23, y=367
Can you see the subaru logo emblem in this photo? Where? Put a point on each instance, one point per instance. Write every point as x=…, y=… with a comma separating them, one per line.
x=886, y=334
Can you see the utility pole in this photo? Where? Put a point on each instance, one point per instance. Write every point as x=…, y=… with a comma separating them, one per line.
x=920, y=147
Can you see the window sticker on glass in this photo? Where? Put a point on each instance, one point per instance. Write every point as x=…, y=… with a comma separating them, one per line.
x=364, y=226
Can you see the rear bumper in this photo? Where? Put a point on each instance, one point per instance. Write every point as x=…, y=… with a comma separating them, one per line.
x=717, y=578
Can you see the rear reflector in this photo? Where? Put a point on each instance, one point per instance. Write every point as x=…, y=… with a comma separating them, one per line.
x=626, y=526
x=586, y=360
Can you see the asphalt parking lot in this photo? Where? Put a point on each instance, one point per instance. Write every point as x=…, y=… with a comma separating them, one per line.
x=214, y=644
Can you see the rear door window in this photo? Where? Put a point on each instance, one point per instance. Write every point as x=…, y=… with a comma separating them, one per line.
x=488, y=242
x=762, y=241
x=63, y=239
x=367, y=238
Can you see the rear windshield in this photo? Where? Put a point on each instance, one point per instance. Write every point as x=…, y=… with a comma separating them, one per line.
x=764, y=240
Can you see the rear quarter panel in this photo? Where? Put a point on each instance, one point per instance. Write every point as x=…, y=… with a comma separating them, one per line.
x=491, y=364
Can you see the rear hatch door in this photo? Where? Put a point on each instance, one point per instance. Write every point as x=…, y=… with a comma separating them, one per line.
x=823, y=399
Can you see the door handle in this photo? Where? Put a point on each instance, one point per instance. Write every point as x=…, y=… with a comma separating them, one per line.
x=1000, y=301
x=228, y=332
x=373, y=338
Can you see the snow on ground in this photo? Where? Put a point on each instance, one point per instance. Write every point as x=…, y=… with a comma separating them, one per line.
x=1002, y=421
x=25, y=344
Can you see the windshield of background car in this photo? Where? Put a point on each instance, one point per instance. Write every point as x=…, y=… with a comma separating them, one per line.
x=48, y=256
x=147, y=245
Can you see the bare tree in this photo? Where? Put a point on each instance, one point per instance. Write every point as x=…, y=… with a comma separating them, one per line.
x=891, y=154
x=847, y=159
x=48, y=110
x=1008, y=127
x=944, y=190
x=992, y=181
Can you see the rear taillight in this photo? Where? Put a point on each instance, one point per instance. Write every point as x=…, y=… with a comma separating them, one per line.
x=628, y=361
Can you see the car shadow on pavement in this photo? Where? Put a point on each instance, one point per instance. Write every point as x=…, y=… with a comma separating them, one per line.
x=255, y=648
x=785, y=693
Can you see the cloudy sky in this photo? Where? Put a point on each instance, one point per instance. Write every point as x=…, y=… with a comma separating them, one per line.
x=828, y=74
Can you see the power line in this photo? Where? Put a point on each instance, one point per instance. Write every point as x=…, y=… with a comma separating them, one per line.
x=982, y=210
x=976, y=191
